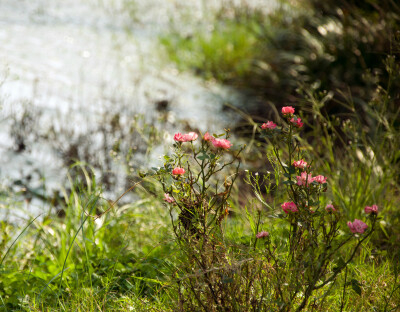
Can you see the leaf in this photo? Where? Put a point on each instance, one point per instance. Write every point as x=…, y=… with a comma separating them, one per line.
x=149, y=280
x=259, y=197
x=203, y=156
x=251, y=221
x=218, y=135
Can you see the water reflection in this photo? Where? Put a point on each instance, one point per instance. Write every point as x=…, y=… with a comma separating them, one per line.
x=85, y=80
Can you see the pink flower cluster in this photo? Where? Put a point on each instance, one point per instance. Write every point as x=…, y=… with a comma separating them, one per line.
x=373, y=209
x=262, y=234
x=287, y=110
x=208, y=137
x=330, y=208
x=221, y=143
x=188, y=137
x=320, y=179
x=305, y=179
x=301, y=164
x=357, y=226
x=297, y=122
x=289, y=206
x=268, y=125
x=168, y=198
x=178, y=171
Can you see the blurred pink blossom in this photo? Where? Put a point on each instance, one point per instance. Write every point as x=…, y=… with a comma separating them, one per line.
x=357, y=226
x=289, y=206
x=222, y=143
x=208, y=137
x=191, y=136
x=178, y=137
x=178, y=171
x=304, y=179
x=320, y=179
x=287, y=110
x=373, y=209
x=262, y=234
x=268, y=125
x=297, y=122
x=300, y=164
x=330, y=208
x=168, y=198
x=188, y=137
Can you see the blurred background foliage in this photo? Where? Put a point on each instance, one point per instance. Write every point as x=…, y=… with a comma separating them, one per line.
x=339, y=46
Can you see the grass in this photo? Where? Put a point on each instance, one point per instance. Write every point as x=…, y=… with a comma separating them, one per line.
x=224, y=53
x=126, y=259
x=102, y=256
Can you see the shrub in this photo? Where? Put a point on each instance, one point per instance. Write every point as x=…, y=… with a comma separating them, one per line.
x=273, y=272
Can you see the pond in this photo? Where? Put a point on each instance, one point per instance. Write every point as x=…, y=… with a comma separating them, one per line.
x=87, y=80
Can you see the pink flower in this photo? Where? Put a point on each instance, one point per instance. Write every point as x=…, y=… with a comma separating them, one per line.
x=222, y=143
x=297, y=122
x=178, y=171
x=269, y=125
x=262, y=234
x=330, y=208
x=178, y=137
x=188, y=137
x=304, y=179
x=357, y=226
x=287, y=110
x=320, y=179
x=168, y=198
x=300, y=164
x=191, y=136
x=208, y=137
x=373, y=209
x=289, y=207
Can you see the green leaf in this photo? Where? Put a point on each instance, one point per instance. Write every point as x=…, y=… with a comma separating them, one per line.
x=261, y=199
x=218, y=135
x=148, y=280
x=203, y=156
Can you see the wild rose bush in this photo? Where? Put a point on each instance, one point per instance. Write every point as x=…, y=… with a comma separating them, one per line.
x=188, y=181
x=272, y=273
x=197, y=181
x=312, y=255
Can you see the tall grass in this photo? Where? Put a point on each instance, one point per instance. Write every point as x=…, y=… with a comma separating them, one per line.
x=85, y=259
